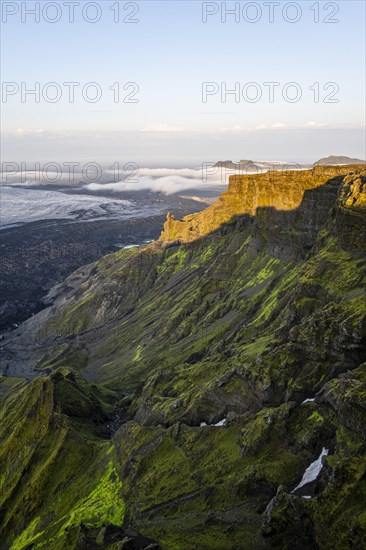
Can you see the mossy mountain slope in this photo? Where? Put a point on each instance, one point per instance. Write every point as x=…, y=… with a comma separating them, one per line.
x=57, y=462
x=236, y=328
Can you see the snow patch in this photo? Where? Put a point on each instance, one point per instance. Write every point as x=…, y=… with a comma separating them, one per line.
x=309, y=400
x=221, y=422
x=217, y=425
x=311, y=473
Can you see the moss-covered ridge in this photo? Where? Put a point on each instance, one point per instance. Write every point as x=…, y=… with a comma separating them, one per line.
x=237, y=328
x=58, y=467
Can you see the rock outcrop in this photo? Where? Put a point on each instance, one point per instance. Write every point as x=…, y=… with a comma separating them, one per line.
x=280, y=190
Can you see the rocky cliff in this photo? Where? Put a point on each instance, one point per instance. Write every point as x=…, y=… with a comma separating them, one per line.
x=281, y=190
x=217, y=385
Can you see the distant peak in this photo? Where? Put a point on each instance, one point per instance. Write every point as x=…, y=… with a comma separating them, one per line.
x=334, y=160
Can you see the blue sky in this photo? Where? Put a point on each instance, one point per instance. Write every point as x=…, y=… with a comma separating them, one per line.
x=169, y=53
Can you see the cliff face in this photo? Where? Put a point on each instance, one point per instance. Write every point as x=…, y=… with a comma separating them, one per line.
x=353, y=192
x=282, y=191
x=219, y=370
x=350, y=225
x=338, y=204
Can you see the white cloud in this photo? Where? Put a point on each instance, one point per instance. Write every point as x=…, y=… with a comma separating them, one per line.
x=161, y=128
x=275, y=126
x=164, y=180
x=231, y=130
x=166, y=184
x=39, y=134
x=162, y=172
x=312, y=124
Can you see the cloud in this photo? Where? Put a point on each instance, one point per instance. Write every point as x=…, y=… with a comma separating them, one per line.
x=194, y=173
x=162, y=180
x=166, y=185
x=231, y=130
x=39, y=134
x=168, y=180
x=161, y=128
x=274, y=126
x=312, y=124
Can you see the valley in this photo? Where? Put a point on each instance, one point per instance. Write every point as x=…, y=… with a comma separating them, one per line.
x=207, y=389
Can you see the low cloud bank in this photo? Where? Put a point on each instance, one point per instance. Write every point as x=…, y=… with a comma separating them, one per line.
x=126, y=178
x=166, y=184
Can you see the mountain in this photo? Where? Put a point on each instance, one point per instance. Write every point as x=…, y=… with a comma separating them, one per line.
x=241, y=165
x=336, y=160
x=246, y=193
x=207, y=390
x=225, y=164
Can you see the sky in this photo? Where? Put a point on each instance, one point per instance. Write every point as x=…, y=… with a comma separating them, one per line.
x=296, y=70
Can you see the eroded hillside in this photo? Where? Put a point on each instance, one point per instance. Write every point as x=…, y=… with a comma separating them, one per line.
x=222, y=361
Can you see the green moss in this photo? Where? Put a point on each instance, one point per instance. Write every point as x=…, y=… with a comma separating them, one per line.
x=316, y=417
x=102, y=505
x=62, y=471
x=174, y=260
x=8, y=384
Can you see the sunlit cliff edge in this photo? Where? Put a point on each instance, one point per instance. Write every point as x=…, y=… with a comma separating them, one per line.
x=283, y=190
